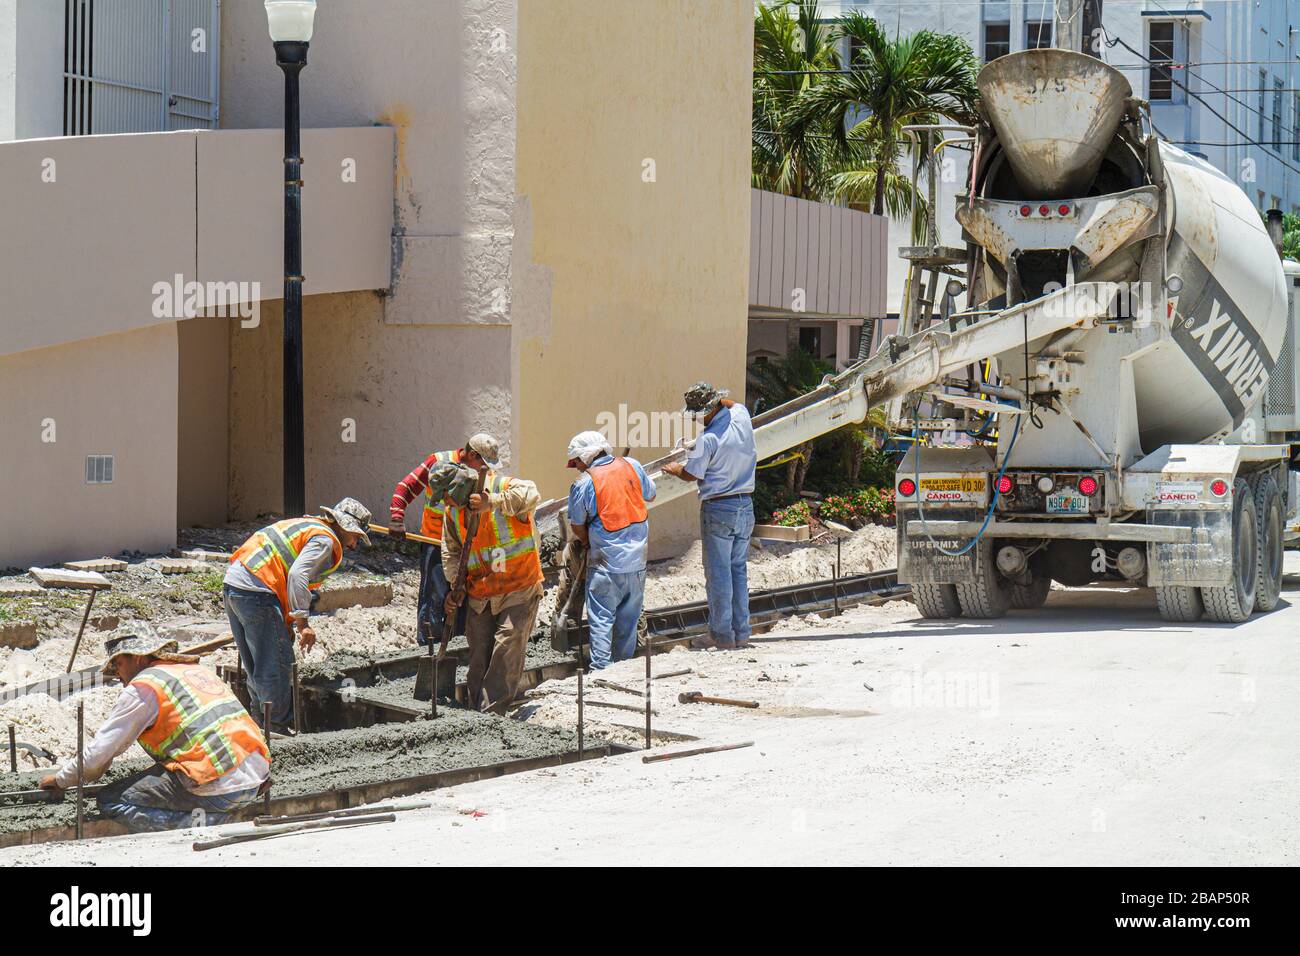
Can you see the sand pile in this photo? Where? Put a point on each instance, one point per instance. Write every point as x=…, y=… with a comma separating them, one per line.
x=778, y=564
x=45, y=722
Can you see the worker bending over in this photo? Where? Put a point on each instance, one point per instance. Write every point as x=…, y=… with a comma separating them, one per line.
x=211, y=756
x=479, y=452
x=608, y=514
x=723, y=462
x=268, y=591
x=503, y=582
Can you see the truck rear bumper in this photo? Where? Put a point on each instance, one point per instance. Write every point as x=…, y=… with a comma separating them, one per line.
x=1075, y=531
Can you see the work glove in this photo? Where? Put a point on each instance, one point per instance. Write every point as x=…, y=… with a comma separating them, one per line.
x=396, y=530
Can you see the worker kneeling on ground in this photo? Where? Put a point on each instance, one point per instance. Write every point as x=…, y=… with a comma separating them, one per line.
x=211, y=756
x=503, y=582
x=268, y=591
x=723, y=461
x=608, y=514
x=479, y=452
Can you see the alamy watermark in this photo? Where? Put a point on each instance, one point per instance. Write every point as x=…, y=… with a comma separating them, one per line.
x=179, y=299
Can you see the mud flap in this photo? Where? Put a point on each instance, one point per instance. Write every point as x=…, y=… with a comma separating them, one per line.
x=1205, y=561
x=921, y=562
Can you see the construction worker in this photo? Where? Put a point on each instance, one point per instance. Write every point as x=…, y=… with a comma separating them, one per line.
x=607, y=509
x=211, y=756
x=503, y=583
x=268, y=591
x=479, y=452
x=723, y=461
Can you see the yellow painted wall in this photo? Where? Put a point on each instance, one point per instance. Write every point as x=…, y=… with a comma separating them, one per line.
x=648, y=281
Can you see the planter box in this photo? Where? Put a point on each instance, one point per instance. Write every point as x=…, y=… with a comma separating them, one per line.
x=776, y=532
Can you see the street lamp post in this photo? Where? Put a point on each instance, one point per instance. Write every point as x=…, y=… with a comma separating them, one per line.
x=290, y=24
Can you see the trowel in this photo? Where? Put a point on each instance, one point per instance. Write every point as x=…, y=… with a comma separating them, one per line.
x=445, y=669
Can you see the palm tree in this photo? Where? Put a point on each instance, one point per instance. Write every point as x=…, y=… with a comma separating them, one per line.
x=921, y=78
x=793, y=155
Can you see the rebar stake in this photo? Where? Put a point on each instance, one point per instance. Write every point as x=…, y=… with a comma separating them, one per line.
x=266, y=732
x=649, y=649
x=81, y=749
x=13, y=750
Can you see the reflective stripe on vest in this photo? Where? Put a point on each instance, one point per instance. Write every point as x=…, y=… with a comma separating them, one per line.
x=431, y=522
x=202, y=730
x=503, y=557
x=270, y=554
x=619, y=501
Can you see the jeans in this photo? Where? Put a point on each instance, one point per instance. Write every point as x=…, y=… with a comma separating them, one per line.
x=498, y=644
x=613, y=609
x=431, y=612
x=725, y=527
x=156, y=799
x=266, y=646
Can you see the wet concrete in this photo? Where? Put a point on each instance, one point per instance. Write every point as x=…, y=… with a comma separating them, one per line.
x=344, y=758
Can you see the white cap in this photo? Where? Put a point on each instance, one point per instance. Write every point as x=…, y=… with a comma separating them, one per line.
x=586, y=447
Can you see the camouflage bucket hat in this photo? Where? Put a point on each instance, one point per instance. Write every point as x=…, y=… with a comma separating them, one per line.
x=702, y=397
x=142, y=639
x=450, y=480
x=350, y=515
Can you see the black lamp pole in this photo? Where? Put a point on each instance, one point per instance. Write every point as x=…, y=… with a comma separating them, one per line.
x=291, y=56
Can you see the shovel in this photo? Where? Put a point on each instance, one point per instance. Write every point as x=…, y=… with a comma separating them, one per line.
x=425, y=688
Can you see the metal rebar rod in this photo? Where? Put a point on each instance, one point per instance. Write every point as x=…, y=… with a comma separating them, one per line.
x=81, y=749
x=13, y=750
x=836, y=582
x=656, y=758
x=297, y=701
x=649, y=651
x=579, y=709
x=266, y=732
x=433, y=690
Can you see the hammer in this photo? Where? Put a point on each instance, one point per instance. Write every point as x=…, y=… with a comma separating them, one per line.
x=695, y=697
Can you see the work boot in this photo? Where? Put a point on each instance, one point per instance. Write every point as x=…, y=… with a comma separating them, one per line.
x=703, y=643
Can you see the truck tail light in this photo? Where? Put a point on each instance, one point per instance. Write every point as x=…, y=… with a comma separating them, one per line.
x=1005, y=484
x=1219, y=488
x=1087, y=485
x=907, y=487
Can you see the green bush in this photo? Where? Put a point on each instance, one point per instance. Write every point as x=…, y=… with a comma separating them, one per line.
x=792, y=516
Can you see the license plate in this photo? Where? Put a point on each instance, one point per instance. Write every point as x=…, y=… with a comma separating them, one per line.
x=1067, y=504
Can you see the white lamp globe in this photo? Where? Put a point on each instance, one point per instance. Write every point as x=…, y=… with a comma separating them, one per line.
x=290, y=20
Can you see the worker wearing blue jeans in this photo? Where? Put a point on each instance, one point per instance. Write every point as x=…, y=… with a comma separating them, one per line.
x=607, y=510
x=723, y=461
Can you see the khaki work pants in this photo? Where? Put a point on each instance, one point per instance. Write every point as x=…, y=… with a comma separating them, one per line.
x=497, y=645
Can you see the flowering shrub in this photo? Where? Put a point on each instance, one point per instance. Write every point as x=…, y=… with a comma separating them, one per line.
x=874, y=505
x=792, y=516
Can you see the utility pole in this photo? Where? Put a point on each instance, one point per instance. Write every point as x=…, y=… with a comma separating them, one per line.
x=1069, y=24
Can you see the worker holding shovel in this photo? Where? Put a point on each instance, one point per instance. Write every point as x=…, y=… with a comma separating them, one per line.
x=503, y=583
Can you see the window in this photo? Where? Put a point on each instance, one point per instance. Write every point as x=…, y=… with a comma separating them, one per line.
x=1038, y=34
x=997, y=40
x=1160, y=51
x=1277, y=114
x=1295, y=127
x=1262, y=138
x=99, y=469
x=810, y=340
x=1091, y=27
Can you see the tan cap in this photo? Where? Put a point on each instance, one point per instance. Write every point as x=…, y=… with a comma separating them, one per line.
x=487, y=447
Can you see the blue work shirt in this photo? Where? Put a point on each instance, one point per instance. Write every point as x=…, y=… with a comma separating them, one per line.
x=724, y=458
x=619, y=552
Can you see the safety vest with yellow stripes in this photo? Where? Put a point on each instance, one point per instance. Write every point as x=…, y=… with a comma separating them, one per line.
x=270, y=554
x=431, y=523
x=202, y=730
x=503, y=556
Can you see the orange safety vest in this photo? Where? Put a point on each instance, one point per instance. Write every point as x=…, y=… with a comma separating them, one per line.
x=503, y=557
x=431, y=523
x=619, y=501
x=202, y=730
x=270, y=554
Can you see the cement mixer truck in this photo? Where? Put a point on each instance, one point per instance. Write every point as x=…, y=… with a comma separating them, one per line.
x=1116, y=399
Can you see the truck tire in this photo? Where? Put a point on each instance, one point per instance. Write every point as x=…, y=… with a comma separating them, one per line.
x=1233, y=603
x=1178, y=603
x=936, y=600
x=1268, y=513
x=988, y=594
x=1034, y=594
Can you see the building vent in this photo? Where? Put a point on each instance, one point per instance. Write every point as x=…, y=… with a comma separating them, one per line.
x=99, y=469
x=140, y=66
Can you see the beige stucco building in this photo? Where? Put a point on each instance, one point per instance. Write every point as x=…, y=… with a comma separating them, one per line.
x=511, y=224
